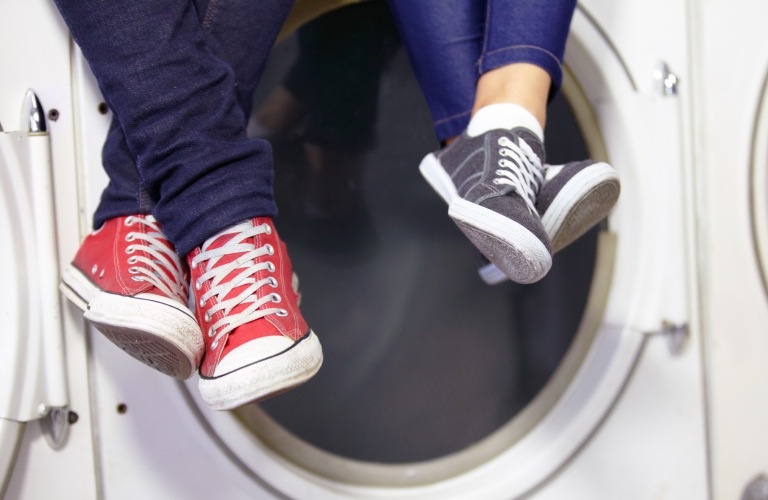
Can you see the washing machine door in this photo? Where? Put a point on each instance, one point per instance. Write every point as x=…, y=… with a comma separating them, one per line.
x=435, y=385
x=32, y=358
x=424, y=392
x=759, y=183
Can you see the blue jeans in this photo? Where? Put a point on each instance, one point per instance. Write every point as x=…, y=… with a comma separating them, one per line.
x=179, y=76
x=451, y=43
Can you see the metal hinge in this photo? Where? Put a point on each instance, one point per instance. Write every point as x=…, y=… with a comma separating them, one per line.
x=677, y=335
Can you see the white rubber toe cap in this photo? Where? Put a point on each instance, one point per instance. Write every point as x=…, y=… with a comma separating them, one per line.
x=252, y=352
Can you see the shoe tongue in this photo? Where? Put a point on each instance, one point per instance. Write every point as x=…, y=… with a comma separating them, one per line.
x=221, y=241
x=534, y=143
x=165, y=265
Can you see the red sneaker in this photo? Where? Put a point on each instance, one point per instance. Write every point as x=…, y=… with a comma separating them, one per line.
x=257, y=343
x=129, y=282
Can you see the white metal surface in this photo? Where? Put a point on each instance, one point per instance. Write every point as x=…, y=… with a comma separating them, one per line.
x=637, y=420
x=35, y=54
x=730, y=135
x=649, y=285
x=33, y=356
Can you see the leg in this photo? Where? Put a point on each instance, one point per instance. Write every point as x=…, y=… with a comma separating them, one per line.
x=521, y=60
x=140, y=78
x=518, y=61
x=182, y=109
x=490, y=176
x=125, y=194
x=515, y=48
x=448, y=82
x=224, y=24
x=523, y=66
x=524, y=84
x=520, y=32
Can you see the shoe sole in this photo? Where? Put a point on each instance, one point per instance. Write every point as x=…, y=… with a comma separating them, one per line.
x=151, y=329
x=516, y=251
x=265, y=378
x=585, y=200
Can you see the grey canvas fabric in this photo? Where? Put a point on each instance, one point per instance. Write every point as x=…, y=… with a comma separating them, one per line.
x=472, y=164
x=554, y=185
x=573, y=199
x=580, y=195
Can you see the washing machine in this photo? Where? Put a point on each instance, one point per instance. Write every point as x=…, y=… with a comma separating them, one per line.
x=729, y=134
x=636, y=371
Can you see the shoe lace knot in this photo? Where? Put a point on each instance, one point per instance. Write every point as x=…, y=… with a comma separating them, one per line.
x=232, y=272
x=519, y=167
x=153, y=259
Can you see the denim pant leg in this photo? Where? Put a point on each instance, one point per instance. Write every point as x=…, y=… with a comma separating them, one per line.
x=177, y=102
x=242, y=33
x=444, y=40
x=532, y=31
x=452, y=42
x=223, y=22
x=124, y=194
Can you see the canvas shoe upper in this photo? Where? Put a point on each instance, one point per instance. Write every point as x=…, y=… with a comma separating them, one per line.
x=131, y=285
x=573, y=199
x=490, y=183
x=246, y=302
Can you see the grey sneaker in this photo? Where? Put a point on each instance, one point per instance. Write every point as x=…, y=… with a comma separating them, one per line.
x=490, y=183
x=575, y=196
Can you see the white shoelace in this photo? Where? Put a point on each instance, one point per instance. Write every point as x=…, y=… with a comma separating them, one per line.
x=158, y=263
x=523, y=172
x=248, y=262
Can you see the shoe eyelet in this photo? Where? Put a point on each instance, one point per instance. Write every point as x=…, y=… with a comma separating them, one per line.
x=270, y=249
x=273, y=282
x=276, y=298
x=202, y=303
x=130, y=236
x=207, y=317
x=194, y=265
x=136, y=278
x=130, y=249
x=132, y=260
x=270, y=267
x=210, y=332
x=198, y=285
x=94, y=269
x=267, y=229
x=128, y=221
x=133, y=270
x=214, y=345
x=282, y=312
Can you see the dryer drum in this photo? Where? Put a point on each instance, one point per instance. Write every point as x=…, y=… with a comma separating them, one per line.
x=429, y=372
